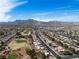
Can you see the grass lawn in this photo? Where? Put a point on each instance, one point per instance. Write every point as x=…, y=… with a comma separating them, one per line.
x=26, y=33
x=11, y=57
x=20, y=41
x=14, y=45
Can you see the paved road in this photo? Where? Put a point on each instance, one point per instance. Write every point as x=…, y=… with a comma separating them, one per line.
x=66, y=57
x=47, y=46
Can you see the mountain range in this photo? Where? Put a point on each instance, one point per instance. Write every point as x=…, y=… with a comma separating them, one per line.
x=38, y=23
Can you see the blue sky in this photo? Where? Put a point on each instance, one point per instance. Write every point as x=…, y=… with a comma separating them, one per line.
x=42, y=10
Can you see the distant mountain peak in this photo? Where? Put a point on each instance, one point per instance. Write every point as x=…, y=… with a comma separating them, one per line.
x=28, y=20
x=31, y=20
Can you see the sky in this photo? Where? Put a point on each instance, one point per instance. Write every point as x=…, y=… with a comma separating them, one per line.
x=41, y=10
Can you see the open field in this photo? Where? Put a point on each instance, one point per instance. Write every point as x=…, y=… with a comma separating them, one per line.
x=26, y=33
x=18, y=49
x=17, y=44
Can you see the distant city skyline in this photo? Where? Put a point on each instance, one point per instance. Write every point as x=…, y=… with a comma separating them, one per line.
x=41, y=10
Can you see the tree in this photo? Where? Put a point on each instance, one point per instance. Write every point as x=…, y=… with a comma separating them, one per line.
x=2, y=57
x=18, y=33
x=1, y=33
x=28, y=51
x=43, y=55
x=72, y=50
x=50, y=44
x=53, y=39
x=64, y=45
x=32, y=53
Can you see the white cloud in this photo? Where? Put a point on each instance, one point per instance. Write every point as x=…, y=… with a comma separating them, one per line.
x=7, y=6
x=72, y=15
x=64, y=7
x=70, y=18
